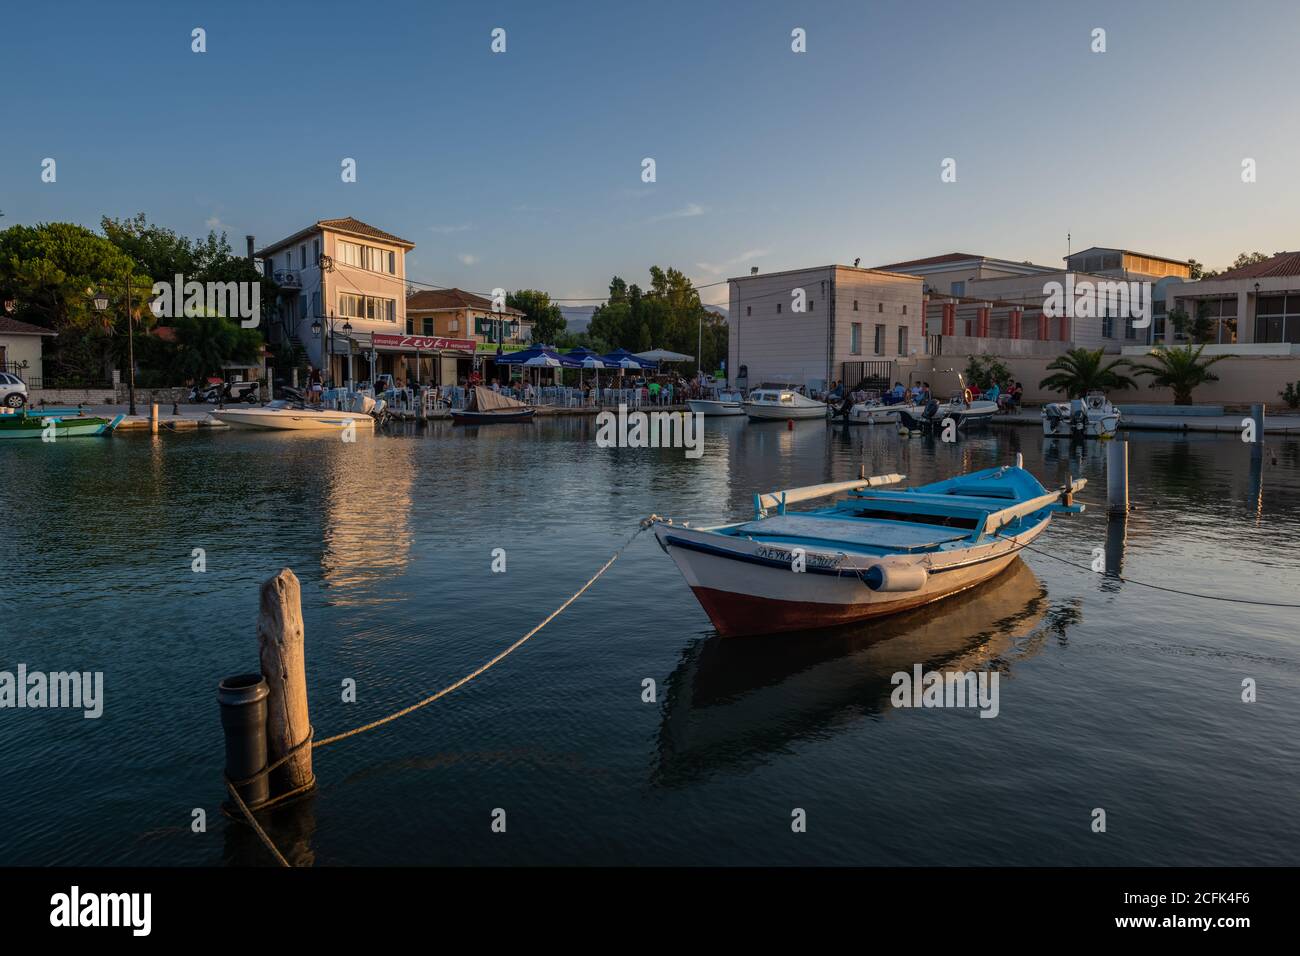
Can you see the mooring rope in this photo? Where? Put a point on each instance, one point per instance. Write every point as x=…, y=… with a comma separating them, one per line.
x=1148, y=584
x=233, y=784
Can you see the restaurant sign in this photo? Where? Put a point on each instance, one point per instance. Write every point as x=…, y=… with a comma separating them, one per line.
x=420, y=343
x=490, y=348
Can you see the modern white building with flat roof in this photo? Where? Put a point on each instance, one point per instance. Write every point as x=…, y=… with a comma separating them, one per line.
x=827, y=323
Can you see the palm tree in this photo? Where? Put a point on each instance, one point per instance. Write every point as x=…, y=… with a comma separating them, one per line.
x=1180, y=370
x=1080, y=371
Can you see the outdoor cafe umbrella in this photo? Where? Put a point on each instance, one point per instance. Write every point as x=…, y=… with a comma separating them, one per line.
x=658, y=356
x=543, y=359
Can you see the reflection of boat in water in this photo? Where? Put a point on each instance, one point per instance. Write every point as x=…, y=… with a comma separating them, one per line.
x=730, y=705
x=875, y=553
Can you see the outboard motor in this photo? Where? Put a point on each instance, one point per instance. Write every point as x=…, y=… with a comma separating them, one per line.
x=1078, y=415
x=931, y=409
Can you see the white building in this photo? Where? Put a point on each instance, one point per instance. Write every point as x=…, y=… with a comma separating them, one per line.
x=337, y=273
x=827, y=323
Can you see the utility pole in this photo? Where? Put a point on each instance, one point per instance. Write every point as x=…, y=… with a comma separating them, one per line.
x=130, y=349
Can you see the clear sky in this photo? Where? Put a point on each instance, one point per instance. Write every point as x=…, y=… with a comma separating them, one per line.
x=523, y=169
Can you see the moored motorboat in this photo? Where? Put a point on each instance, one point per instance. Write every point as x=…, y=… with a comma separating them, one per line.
x=963, y=410
x=1090, y=417
x=65, y=422
x=287, y=416
x=487, y=407
x=782, y=403
x=726, y=403
x=874, y=553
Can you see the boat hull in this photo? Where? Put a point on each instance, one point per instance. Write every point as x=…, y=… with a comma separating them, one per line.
x=1096, y=426
x=33, y=426
x=492, y=418
x=780, y=413
x=297, y=420
x=715, y=409
x=745, y=593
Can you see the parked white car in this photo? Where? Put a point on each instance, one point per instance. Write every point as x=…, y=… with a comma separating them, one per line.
x=13, y=390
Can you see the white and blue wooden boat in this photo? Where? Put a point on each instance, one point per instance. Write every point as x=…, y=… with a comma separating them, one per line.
x=873, y=553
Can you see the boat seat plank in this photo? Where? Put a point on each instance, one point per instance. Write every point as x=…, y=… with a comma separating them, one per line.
x=871, y=534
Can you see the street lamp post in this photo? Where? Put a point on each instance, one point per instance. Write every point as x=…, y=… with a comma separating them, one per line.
x=327, y=339
x=130, y=349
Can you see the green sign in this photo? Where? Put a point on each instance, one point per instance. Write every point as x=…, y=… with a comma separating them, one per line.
x=489, y=348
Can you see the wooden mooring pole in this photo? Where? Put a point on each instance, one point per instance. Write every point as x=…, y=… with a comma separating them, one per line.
x=284, y=665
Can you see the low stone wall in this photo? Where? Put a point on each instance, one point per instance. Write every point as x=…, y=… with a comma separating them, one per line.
x=1243, y=380
x=107, y=395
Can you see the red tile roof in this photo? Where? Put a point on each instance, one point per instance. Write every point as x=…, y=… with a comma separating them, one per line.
x=346, y=224
x=1282, y=264
x=14, y=327
x=430, y=300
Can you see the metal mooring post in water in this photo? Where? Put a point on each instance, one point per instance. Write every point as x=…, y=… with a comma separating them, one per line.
x=1117, y=477
x=1257, y=417
x=264, y=716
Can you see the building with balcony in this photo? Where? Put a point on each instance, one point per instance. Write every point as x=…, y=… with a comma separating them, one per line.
x=342, y=283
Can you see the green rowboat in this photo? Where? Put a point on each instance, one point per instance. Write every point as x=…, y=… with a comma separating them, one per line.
x=67, y=423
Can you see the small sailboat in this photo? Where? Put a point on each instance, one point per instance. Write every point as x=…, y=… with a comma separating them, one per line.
x=1090, y=417
x=874, y=553
x=487, y=407
x=779, y=403
x=67, y=423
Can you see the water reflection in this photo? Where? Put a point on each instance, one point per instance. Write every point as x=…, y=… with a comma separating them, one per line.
x=731, y=704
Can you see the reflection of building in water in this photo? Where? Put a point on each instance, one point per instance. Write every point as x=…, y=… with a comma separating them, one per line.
x=732, y=703
x=366, y=504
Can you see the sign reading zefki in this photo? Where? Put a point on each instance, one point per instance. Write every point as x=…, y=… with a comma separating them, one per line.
x=424, y=343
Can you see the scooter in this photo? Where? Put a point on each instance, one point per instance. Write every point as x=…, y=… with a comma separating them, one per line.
x=226, y=392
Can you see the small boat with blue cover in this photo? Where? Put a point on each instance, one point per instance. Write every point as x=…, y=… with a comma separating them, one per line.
x=874, y=553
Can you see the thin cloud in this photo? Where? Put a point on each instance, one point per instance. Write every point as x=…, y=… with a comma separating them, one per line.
x=721, y=267
x=468, y=259
x=448, y=230
x=689, y=211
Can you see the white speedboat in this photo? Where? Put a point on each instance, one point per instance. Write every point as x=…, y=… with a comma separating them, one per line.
x=778, y=403
x=284, y=416
x=875, y=553
x=963, y=410
x=726, y=403
x=1090, y=417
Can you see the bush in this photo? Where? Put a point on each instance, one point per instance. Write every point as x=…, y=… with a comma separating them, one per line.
x=1291, y=395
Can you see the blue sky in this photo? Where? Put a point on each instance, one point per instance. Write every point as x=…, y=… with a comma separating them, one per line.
x=523, y=169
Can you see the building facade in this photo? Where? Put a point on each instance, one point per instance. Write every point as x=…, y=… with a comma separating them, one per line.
x=21, y=344
x=468, y=320
x=829, y=323
x=342, y=282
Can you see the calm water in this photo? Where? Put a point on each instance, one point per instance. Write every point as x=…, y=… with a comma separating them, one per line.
x=1112, y=695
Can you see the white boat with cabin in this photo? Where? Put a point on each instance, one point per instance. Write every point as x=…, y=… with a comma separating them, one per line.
x=782, y=403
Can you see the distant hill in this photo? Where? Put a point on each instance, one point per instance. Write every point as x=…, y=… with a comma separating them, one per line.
x=577, y=317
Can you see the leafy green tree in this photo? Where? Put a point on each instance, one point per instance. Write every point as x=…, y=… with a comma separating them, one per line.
x=1180, y=370
x=205, y=342
x=547, y=320
x=1080, y=371
x=985, y=371
x=667, y=315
